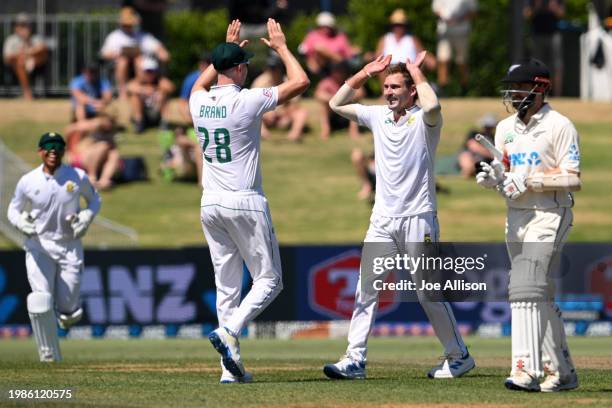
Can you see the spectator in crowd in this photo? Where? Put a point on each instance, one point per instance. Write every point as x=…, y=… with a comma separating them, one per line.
x=365, y=168
x=188, y=82
x=148, y=95
x=325, y=45
x=182, y=159
x=545, y=44
x=400, y=42
x=291, y=115
x=24, y=52
x=324, y=91
x=454, y=27
x=127, y=46
x=92, y=147
x=472, y=152
x=90, y=93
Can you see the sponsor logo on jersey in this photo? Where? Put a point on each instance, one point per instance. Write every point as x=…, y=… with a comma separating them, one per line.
x=522, y=159
x=388, y=121
x=574, y=154
x=70, y=186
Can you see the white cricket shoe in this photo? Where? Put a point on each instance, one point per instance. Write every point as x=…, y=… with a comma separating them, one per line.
x=452, y=366
x=228, y=346
x=346, y=369
x=521, y=380
x=228, y=378
x=553, y=383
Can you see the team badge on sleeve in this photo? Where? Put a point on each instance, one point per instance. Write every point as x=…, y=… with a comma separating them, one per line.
x=267, y=92
x=70, y=186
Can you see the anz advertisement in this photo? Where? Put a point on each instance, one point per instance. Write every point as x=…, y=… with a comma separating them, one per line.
x=176, y=287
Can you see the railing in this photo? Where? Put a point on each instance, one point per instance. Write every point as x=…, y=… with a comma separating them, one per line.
x=72, y=39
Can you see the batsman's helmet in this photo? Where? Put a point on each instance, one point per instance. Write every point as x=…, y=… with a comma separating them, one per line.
x=531, y=71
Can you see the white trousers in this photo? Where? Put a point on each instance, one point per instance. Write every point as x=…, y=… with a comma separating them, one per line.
x=238, y=228
x=543, y=232
x=398, y=232
x=56, y=267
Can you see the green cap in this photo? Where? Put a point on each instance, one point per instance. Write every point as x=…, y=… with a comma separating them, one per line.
x=51, y=139
x=228, y=55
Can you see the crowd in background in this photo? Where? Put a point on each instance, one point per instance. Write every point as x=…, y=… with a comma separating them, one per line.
x=138, y=61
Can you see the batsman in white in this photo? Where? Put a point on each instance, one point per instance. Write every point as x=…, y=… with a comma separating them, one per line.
x=45, y=208
x=542, y=167
x=234, y=211
x=405, y=141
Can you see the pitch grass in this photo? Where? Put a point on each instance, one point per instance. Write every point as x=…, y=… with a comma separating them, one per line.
x=312, y=187
x=185, y=373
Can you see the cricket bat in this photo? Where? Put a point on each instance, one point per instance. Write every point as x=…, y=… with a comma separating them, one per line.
x=499, y=156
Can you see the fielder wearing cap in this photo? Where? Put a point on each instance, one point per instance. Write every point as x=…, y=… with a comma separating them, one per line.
x=234, y=211
x=539, y=173
x=53, y=227
x=229, y=55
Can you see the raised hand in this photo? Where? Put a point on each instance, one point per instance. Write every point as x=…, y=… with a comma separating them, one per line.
x=233, y=34
x=378, y=65
x=417, y=62
x=276, y=36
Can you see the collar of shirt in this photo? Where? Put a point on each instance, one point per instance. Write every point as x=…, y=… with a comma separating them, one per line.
x=535, y=118
x=225, y=88
x=404, y=118
x=48, y=176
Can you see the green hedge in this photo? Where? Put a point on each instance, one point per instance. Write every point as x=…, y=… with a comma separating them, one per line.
x=190, y=33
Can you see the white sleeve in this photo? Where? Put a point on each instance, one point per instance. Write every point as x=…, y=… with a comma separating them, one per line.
x=18, y=203
x=149, y=44
x=109, y=44
x=261, y=100
x=90, y=194
x=566, y=146
x=364, y=115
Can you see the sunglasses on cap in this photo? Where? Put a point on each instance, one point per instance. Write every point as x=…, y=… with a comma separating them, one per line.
x=58, y=147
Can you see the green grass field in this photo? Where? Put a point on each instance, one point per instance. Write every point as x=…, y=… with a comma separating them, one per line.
x=311, y=186
x=288, y=373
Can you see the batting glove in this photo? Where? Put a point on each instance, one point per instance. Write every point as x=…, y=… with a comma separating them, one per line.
x=491, y=175
x=514, y=186
x=81, y=222
x=25, y=224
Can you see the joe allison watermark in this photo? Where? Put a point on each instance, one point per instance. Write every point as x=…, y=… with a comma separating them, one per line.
x=432, y=274
x=408, y=285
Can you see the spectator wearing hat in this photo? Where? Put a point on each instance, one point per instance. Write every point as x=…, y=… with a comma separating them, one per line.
x=127, y=45
x=148, y=95
x=90, y=93
x=454, y=28
x=325, y=45
x=188, y=83
x=473, y=153
x=290, y=115
x=400, y=43
x=24, y=52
